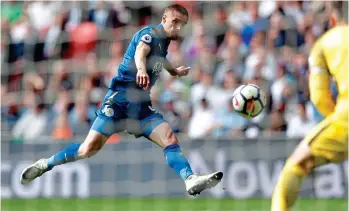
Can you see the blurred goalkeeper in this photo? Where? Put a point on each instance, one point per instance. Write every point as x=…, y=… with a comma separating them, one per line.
x=328, y=141
x=129, y=98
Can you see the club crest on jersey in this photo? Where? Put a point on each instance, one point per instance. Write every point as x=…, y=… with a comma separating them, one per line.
x=157, y=68
x=146, y=38
x=108, y=111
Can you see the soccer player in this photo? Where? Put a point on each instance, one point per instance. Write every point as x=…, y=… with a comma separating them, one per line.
x=327, y=142
x=129, y=98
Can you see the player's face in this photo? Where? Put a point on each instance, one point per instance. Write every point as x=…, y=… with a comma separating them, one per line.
x=174, y=23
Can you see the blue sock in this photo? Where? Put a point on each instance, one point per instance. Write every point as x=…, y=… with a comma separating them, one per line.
x=68, y=154
x=177, y=161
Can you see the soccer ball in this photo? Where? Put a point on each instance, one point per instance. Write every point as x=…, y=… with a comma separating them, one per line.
x=249, y=100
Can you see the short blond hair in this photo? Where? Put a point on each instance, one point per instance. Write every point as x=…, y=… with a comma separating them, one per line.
x=178, y=8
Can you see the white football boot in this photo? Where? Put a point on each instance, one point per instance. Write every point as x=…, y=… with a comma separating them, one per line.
x=197, y=183
x=33, y=171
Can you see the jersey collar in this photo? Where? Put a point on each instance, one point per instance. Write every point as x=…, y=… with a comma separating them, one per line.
x=162, y=30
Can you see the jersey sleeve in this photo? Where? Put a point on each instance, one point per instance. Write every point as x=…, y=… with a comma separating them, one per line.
x=316, y=57
x=320, y=81
x=145, y=36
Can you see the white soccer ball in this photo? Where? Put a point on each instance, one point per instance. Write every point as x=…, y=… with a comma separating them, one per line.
x=249, y=100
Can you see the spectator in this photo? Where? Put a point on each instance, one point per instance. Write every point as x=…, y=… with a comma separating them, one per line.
x=283, y=92
x=230, y=63
x=33, y=123
x=201, y=123
x=240, y=17
x=170, y=114
x=204, y=89
x=260, y=61
x=11, y=11
x=230, y=82
x=61, y=128
x=96, y=79
x=104, y=16
x=232, y=47
x=61, y=79
x=16, y=26
x=116, y=52
x=277, y=123
x=197, y=45
x=53, y=36
x=300, y=124
x=82, y=115
x=41, y=15
x=227, y=122
x=175, y=55
x=175, y=88
x=83, y=38
x=74, y=15
x=10, y=113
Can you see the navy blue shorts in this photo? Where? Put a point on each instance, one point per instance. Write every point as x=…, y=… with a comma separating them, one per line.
x=118, y=114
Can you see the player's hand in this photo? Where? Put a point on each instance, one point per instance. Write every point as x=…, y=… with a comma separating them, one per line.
x=182, y=71
x=143, y=79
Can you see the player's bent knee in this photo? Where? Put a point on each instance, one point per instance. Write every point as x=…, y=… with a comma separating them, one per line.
x=163, y=136
x=171, y=139
x=301, y=153
x=301, y=167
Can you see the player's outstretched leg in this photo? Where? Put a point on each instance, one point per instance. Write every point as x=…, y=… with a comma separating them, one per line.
x=92, y=144
x=164, y=136
x=297, y=167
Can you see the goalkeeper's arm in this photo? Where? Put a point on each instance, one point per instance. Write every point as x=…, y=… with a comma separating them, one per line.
x=320, y=90
x=320, y=81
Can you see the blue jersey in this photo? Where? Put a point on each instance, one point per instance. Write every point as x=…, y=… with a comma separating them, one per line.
x=154, y=36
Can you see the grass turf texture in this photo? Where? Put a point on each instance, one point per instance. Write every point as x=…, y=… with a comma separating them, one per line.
x=164, y=204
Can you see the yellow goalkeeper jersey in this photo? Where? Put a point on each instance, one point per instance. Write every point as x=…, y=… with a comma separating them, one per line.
x=328, y=61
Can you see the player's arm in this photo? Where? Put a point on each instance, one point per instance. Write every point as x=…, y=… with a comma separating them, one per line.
x=141, y=53
x=320, y=81
x=169, y=67
x=179, y=71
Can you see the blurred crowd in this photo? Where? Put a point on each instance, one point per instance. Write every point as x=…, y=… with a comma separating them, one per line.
x=57, y=59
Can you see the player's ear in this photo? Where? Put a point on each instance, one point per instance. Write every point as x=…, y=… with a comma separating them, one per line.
x=164, y=18
x=333, y=19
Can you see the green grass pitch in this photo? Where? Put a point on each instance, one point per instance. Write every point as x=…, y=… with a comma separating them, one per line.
x=164, y=204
